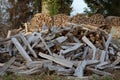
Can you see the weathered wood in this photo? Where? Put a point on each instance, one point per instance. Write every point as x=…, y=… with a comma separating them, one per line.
x=18, y=64
x=76, y=39
x=118, y=54
x=21, y=50
x=79, y=71
x=61, y=39
x=28, y=45
x=45, y=44
x=33, y=64
x=8, y=35
x=103, y=55
x=76, y=46
x=108, y=41
x=89, y=62
x=26, y=27
x=102, y=64
x=6, y=66
x=116, y=61
x=103, y=73
x=1, y=64
x=111, y=51
x=63, y=62
x=85, y=52
x=77, y=55
x=30, y=71
x=87, y=41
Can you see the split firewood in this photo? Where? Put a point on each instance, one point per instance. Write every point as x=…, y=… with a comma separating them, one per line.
x=97, y=19
x=85, y=39
x=60, y=20
x=101, y=65
x=116, y=61
x=6, y=66
x=99, y=72
x=38, y=20
x=76, y=46
x=28, y=45
x=63, y=62
x=79, y=19
x=40, y=64
x=30, y=71
x=45, y=44
x=21, y=49
x=79, y=72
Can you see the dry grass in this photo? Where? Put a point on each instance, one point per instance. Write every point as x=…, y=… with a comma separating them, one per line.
x=33, y=77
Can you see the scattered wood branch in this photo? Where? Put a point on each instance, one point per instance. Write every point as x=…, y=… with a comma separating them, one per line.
x=6, y=66
x=21, y=49
x=63, y=62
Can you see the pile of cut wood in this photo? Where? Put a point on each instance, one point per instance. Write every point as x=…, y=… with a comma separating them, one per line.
x=76, y=51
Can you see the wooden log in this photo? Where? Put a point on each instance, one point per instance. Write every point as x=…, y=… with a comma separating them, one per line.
x=77, y=55
x=21, y=50
x=18, y=64
x=117, y=61
x=9, y=43
x=108, y=41
x=79, y=72
x=28, y=45
x=103, y=55
x=1, y=64
x=111, y=51
x=6, y=66
x=75, y=47
x=45, y=44
x=63, y=62
x=37, y=63
x=30, y=71
x=103, y=73
x=61, y=39
x=26, y=27
x=85, y=52
x=101, y=65
x=8, y=35
x=87, y=41
x=89, y=62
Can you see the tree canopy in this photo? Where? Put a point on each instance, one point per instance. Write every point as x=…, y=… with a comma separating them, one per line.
x=106, y=7
x=59, y=6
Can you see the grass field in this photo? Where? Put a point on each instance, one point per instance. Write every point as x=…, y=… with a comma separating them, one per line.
x=47, y=77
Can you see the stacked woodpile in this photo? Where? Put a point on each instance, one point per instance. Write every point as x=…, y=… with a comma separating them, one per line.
x=60, y=20
x=80, y=19
x=97, y=20
x=114, y=22
x=38, y=20
x=70, y=51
